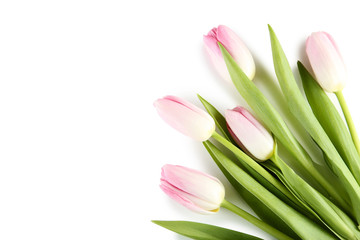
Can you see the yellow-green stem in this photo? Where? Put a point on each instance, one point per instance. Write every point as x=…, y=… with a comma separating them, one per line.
x=349, y=120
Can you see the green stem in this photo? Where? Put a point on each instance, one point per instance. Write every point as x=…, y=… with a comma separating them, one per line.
x=255, y=166
x=349, y=120
x=257, y=222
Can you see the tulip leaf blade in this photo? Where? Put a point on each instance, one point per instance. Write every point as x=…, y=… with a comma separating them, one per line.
x=315, y=217
x=201, y=231
x=261, y=210
x=331, y=121
x=302, y=111
x=301, y=225
x=218, y=118
x=318, y=203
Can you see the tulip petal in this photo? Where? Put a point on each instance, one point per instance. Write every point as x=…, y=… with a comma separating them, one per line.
x=187, y=200
x=252, y=135
x=237, y=49
x=326, y=61
x=215, y=55
x=255, y=122
x=193, y=182
x=185, y=117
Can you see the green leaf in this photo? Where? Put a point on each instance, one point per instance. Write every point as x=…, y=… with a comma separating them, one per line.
x=316, y=201
x=308, y=212
x=331, y=121
x=273, y=121
x=261, y=210
x=350, y=223
x=301, y=225
x=302, y=111
x=218, y=118
x=202, y=231
x=315, y=217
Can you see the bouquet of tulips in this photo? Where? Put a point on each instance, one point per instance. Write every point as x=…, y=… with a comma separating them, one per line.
x=309, y=201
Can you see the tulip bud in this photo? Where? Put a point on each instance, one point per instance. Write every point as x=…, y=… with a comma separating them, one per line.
x=193, y=189
x=326, y=61
x=234, y=46
x=185, y=117
x=250, y=135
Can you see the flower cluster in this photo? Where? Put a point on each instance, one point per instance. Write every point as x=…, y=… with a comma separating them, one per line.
x=287, y=202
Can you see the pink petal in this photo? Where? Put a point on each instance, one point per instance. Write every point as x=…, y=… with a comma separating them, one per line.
x=196, y=183
x=237, y=49
x=185, y=117
x=326, y=61
x=181, y=198
x=253, y=136
x=215, y=55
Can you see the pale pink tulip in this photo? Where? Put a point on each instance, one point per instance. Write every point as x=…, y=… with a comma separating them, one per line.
x=185, y=117
x=251, y=136
x=234, y=46
x=193, y=189
x=326, y=61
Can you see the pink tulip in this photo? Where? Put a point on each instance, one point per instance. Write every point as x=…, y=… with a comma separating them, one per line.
x=234, y=46
x=185, y=117
x=251, y=136
x=326, y=61
x=193, y=189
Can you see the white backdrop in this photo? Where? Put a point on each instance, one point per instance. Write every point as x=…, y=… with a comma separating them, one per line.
x=81, y=146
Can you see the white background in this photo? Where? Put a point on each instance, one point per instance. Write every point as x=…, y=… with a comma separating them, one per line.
x=81, y=146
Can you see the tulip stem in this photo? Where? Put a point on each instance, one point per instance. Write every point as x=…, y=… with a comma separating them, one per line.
x=349, y=120
x=257, y=222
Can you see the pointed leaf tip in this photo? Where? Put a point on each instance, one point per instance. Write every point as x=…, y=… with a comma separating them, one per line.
x=201, y=231
x=270, y=28
x=301, y=66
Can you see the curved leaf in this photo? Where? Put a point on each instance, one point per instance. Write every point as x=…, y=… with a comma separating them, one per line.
x=331, y=121
x=201, y=231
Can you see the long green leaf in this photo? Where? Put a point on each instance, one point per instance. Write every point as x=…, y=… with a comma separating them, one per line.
x=315, y=217
x=310, y=213
x=331, y=121
x=301, y=225
x=201, y=231
x=350, y=223
x=261, y=210
x=302, y=111
x=316, y=201
x=273, y=121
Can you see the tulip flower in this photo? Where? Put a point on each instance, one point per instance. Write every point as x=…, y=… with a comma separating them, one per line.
x=185, y=117
x=205, y=194
x=195, y=190
x=250, y=135
x=234, y=46
x=326, y=61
